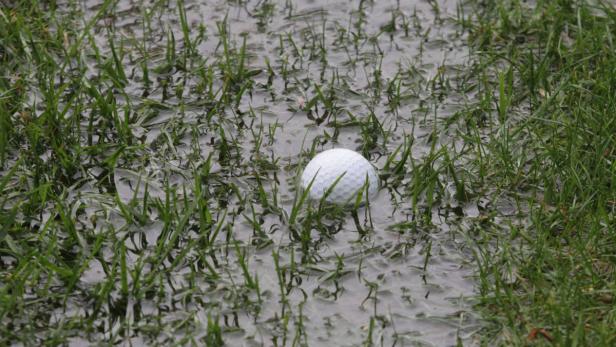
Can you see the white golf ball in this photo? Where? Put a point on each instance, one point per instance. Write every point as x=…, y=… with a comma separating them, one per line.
x=355, y=171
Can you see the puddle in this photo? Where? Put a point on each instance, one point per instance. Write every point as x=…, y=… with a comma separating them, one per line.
x=407, y=283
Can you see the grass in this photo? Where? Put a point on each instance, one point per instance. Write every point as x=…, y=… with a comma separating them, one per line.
x=148, y=174
x=549, y=70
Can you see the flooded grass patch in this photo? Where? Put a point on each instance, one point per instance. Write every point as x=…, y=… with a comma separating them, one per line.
x=151, y=152
x=151, y=165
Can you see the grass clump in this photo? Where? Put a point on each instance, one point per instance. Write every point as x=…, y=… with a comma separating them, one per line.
x=551, y=143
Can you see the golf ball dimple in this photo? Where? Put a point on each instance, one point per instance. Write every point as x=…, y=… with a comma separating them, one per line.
x=328, y=166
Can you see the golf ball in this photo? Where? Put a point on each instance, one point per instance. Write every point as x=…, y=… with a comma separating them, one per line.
x=352, y=168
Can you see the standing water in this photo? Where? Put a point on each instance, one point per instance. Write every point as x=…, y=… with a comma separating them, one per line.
x=225, y=103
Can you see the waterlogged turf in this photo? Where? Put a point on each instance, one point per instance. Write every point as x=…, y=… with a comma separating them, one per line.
x=164, y=206
x=150, y=156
